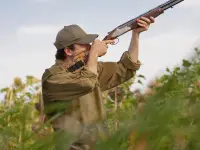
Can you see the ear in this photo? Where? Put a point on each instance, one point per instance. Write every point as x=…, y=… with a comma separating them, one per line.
x=68, y=52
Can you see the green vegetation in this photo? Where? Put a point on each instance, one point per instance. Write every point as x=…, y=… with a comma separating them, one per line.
x=166, y=116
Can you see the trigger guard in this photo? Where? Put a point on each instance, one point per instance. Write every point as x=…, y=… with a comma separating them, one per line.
x=116, y=42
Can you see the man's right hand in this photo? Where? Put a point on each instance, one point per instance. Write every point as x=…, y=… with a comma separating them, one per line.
x=100, y=47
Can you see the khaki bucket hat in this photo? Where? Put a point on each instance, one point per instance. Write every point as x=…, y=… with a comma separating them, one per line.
x=73, y=34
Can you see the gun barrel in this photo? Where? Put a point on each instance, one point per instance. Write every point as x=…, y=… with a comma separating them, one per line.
x=164, y=6
x=170, y=4
x=129, y=25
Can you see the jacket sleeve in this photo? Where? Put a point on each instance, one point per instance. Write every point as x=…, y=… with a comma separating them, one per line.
x=112, y=74
x=68, y=85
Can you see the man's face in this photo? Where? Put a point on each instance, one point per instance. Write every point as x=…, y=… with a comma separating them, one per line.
x=79, y=48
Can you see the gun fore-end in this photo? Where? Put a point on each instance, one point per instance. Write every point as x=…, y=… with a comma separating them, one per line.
x=155, y=13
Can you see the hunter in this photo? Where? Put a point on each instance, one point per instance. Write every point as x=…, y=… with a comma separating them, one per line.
x=72, y=87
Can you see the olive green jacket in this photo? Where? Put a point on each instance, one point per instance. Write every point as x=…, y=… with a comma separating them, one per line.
x=80, y=93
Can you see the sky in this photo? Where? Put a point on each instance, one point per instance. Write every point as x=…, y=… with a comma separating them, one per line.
x=28, y=29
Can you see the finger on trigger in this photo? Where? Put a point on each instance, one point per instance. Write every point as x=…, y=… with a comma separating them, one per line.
x=109, y=41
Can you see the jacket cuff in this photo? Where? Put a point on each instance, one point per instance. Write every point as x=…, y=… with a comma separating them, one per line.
x=128, y=62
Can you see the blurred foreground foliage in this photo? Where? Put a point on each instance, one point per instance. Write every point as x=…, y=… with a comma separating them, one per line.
x=165, y=116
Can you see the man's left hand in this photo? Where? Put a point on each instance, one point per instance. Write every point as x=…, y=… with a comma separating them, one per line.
x=144, y=24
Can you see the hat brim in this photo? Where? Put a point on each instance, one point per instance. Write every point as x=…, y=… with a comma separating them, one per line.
x=89, y=38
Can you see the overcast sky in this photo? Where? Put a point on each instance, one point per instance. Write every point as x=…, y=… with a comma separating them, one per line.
x=28, y=29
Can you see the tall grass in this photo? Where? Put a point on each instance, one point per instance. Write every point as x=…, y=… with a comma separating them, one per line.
x=165, y=117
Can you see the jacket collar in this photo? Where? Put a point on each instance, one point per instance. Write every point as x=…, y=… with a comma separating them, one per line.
x=61, y=63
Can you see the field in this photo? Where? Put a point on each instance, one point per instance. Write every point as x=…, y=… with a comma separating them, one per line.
x=166, y=116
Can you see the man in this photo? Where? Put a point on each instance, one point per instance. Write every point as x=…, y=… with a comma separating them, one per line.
x=72, y=88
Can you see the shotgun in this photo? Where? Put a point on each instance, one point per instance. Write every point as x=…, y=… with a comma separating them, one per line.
x=124, y=28
x=132, y=24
